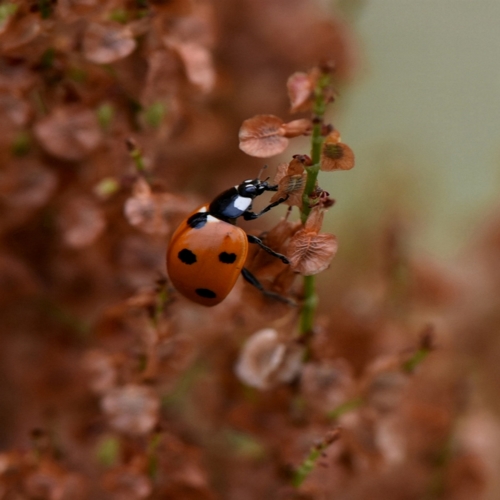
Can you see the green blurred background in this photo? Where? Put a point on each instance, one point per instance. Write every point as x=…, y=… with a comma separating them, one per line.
x=423, y=117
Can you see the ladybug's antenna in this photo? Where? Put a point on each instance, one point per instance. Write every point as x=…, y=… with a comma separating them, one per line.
x=262, y=170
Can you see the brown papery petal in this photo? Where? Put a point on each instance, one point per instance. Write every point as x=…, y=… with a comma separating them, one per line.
x=197, y=63
x=335, y=155
x=104, y=44
x=262, y=136
x=315, y=220
x=81, y=222
x=69, y=133
x=296, y=128
x=310, y=253
x=300, y=91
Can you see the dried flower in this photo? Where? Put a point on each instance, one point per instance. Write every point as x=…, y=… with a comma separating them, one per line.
x=81, y=222
x=26, y=184
x=69, y=133
x=308, y=251
x=262, y=136
x=102, y=372
x=291, y=180
x=335, y=155
x=266, y=360
x=128, y=482
x=104, y=44
x=150, y=212
x=296, y=128
x=300, y=88
x=197, y=62
x=327, y=384
x=266, y=135
x=132, y=409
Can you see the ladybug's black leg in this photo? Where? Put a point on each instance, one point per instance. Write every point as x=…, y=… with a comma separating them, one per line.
x=258, y=241
x=256, y=283
x=248, y=215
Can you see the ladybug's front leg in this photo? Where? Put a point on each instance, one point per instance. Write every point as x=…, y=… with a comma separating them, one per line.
x=249, y=215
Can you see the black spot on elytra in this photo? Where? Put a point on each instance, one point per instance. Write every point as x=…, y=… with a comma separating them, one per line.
x=227, y=258
x=206, y=293
x=187, y=256
x=197, y=220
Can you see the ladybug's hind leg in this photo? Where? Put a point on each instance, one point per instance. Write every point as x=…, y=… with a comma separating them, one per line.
x=258, y=241
x=256, y=283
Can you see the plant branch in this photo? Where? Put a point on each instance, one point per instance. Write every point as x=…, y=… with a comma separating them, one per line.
x=310, y=300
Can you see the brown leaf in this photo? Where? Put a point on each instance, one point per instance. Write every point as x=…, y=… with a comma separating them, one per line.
x=310, y=253
x=104, y=44
x=262, y=136
x=335, y=155
x=69, y=133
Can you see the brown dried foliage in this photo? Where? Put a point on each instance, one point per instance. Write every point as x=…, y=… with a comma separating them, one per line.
x=113, y=385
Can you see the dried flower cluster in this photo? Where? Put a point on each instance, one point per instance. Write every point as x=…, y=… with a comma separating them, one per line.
x=111, y=113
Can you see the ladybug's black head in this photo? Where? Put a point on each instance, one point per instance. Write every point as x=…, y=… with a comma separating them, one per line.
x=254, y=188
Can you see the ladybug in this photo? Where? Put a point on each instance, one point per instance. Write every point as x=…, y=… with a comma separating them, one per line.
x=207, y=251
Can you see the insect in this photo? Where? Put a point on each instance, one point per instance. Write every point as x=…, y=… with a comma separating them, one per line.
x=207, y=252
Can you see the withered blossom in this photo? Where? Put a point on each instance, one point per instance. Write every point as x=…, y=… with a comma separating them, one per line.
x=101, y=370
x=327, y=384
x=197, y=61
x=69, y=133
x=309, y=251
x=49, y=480
x=131, y=409
x=262, y=136
x=107, y=43
x=291, y=180
x=26, y=183
x=128, y=481
x=267, y=360
x=19, y=33
x=335, y=155
x=81, y=222
x=150, y=212
x=300, y=88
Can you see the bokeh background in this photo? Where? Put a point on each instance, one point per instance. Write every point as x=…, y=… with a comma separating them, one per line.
x=114, y=386
x=422, y=115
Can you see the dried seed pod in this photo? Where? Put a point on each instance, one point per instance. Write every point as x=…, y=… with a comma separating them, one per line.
x=335, y=155
x=266, y=360
x=132, y=409
x=291, y=180
x=309, y=252
x=105, y=44
x=69, y=133
x=300, y=88
x=262, y=136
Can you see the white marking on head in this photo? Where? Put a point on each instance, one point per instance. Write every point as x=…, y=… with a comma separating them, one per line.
x=242, y=203
x=211, y=218
x=203, y=210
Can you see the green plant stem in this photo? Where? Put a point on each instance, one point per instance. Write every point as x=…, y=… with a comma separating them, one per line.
x=310, y=300
x=307, y=466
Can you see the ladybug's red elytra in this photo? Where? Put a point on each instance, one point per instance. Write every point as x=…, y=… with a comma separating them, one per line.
x=207, y=251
